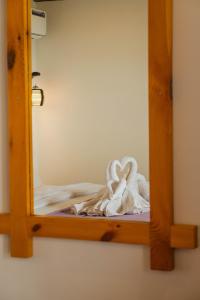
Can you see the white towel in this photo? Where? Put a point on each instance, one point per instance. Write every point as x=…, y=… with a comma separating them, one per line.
x=126, y=192
x=46, y=195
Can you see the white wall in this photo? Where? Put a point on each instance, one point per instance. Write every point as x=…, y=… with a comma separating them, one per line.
x=76, y=270
x=94, y=71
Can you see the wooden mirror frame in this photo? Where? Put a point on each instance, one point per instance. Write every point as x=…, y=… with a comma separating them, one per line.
x=161, y=234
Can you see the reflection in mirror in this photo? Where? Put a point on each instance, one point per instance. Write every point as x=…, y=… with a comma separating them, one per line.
x=90, y=137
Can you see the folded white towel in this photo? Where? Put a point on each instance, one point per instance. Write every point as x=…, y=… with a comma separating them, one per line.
x=46, y=195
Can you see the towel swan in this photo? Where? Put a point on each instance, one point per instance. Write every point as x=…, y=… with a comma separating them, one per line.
x=124, y=193
x=130, y=185
x=137, y=187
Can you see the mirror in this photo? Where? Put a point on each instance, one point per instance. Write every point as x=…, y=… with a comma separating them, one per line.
x=90, y=124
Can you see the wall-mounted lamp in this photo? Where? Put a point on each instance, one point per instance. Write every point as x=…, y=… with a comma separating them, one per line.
x=37, y=93
x=37, y=96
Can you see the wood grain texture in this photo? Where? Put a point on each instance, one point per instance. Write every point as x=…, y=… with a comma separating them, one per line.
x=184, y=237
x=90, y=229
x=160, y=234
x=160, y=130
x=5, y=224
x=19, y=99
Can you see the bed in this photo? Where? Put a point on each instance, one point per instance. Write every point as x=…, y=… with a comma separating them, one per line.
x=55, y=200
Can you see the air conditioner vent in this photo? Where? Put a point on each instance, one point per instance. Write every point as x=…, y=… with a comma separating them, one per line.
x=39, y=23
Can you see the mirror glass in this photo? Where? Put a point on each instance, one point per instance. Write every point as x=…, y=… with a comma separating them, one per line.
x=90, y=108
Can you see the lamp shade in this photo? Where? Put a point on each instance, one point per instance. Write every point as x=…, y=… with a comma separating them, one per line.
x=37, y=96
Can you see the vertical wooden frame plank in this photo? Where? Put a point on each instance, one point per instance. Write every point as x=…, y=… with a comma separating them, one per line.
x=19, y=98
x=160, y=114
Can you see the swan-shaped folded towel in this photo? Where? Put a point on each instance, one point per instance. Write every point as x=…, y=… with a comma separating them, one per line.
x=126, y=192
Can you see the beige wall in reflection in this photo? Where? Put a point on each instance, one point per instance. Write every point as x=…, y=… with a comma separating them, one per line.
x=94, y=73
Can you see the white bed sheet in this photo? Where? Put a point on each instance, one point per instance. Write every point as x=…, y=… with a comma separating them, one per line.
x=50, y=197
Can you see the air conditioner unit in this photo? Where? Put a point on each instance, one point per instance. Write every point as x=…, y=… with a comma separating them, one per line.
x=39, y=23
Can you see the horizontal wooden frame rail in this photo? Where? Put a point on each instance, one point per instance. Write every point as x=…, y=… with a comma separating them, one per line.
x=5, y=224
x=161, y=234
x=182, y=236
